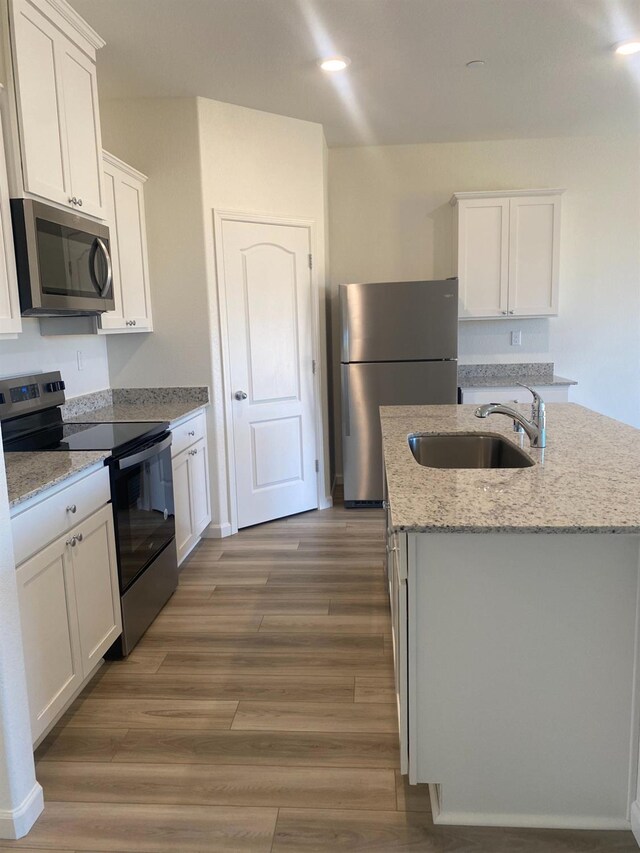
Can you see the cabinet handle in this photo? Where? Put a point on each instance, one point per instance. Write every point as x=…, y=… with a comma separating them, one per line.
x=504, y=312
x=79, y=537
x=133, y=322
x=73, y=200
x=72, y=541
x=191, y=432
x=512, y=311
x=72, y=508
x=79, y=202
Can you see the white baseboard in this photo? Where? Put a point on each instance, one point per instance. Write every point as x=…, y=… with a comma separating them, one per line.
x=16, y=823
x=635, y=821
x=217, y=531
x=529, y=821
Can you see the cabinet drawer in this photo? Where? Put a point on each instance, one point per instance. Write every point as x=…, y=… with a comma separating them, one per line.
x=40, y=524
x=187, y=433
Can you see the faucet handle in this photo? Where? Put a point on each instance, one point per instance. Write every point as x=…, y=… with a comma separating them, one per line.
x=537, y=404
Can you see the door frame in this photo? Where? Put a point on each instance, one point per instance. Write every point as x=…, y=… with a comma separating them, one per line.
x=220, y=216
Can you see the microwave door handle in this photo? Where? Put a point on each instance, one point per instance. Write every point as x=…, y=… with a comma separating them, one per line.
x=106, y=288
x=147, y=453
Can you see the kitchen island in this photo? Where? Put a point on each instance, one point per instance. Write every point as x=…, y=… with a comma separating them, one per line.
x=514, y=610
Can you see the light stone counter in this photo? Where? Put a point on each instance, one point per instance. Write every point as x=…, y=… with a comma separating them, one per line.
x=587, y=480
x=28, y=474
x=151, y=412
x=136, y=405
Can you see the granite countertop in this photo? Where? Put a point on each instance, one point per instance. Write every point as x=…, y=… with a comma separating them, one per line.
x=151, y=411
x=536, y=374
x=28, y=474
x=509, y=381
x=587, y=479
x=136, y=405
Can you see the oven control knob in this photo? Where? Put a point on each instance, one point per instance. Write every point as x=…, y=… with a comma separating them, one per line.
x=52, y=387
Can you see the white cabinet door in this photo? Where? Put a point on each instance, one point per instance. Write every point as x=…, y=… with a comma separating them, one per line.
x=507, y=253
x=399, y=629
x=57, y=110
x=125, y=211
x=82, y=124
x=483, y=257
x=185, y=536
x=95, y=574
x=534, y=253
x=49, y=632
x=199, y=486
x=39, y=104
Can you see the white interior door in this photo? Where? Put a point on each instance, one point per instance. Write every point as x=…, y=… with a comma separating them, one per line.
x=269, y=314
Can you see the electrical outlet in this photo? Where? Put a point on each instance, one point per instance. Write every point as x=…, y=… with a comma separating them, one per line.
x=516, y=338
x=80, y=358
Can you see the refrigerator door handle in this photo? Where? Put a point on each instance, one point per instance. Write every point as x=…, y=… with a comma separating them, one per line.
x=346, y=420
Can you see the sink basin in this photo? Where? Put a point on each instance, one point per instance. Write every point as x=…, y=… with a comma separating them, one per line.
x=467, y=450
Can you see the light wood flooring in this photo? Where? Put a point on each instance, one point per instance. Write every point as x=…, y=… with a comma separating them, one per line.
x=258, y=714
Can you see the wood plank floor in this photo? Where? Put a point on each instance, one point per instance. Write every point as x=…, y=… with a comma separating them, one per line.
x=258, y=714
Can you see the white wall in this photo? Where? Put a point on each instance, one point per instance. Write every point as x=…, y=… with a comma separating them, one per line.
x=390, y=219
x=202, y=155
x=257, y=162
x=30, y=353
x=159, y=137
x=18, y=786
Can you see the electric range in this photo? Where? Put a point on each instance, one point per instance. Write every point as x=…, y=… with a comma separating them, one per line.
x=141, y=480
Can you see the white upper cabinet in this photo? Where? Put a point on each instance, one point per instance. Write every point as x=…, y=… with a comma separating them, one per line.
x=506, y=253
x=10, y=322
x=124, y=197
x=56, y=105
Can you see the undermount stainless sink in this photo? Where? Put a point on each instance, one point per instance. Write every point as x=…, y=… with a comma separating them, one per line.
x=467, y=450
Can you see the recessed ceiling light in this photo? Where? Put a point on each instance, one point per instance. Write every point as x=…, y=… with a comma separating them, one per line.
x=626, y=48
x=334, y=63
x=475, y=63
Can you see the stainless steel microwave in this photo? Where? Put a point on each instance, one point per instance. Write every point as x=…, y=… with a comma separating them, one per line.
x=63, y=261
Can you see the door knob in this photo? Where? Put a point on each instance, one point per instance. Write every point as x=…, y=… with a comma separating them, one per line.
x=240, y=395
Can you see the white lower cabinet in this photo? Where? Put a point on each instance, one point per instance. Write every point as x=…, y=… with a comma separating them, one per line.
x=70, y=613
x=397, y=576
x=50, y=632
x=95, y=578
x=515, y=394
x=190, y=483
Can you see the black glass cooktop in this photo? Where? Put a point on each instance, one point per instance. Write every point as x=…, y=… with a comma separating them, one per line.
x=115, y=437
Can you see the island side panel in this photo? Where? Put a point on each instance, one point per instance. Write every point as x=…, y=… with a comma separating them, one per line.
x=522, y=654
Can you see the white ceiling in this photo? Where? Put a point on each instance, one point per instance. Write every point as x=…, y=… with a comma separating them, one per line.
x=549, y=66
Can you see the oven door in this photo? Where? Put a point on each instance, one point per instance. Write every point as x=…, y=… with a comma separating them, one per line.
x=142, y=493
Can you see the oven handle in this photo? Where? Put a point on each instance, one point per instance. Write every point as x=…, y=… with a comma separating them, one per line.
x=147, y=453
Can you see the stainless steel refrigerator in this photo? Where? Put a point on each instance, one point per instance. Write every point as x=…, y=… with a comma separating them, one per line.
x=399, y=347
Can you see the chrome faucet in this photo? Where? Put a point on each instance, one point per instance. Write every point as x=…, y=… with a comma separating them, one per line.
x=535, y=428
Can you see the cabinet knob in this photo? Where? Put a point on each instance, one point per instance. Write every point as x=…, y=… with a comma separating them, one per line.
x=79, y=537
x=72, y=541
x=72, y=508
x=73, y=200
x=79, y=202
x=512, y=311
x=504, y=312
x=133, y=322
x=240, y=395
x=191, y=432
